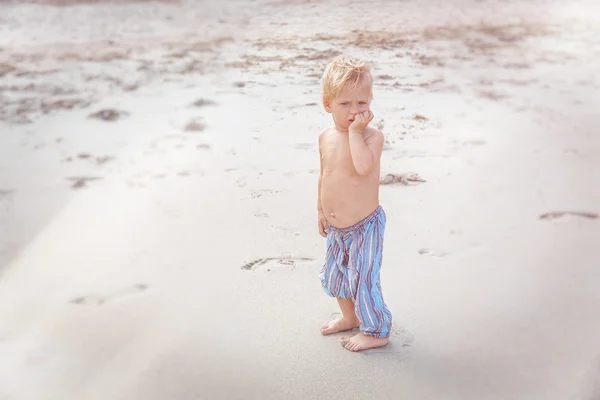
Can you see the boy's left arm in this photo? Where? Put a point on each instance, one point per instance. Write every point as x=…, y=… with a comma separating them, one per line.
x=365, y=148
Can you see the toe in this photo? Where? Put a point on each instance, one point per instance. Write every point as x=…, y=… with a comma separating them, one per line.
x=326, y=328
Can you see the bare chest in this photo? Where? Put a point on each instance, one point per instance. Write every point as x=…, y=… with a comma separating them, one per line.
x=336, y=155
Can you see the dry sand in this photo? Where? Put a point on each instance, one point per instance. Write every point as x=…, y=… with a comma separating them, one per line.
x=158, y=168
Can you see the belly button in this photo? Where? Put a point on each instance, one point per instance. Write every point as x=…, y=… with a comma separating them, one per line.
x=332, y=214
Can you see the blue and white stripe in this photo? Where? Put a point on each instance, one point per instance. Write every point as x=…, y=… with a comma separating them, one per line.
x=352, y=268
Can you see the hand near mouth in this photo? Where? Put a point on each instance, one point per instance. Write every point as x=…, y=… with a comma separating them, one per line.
x=361, y=120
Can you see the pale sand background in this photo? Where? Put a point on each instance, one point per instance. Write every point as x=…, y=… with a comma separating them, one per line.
x=133, y=286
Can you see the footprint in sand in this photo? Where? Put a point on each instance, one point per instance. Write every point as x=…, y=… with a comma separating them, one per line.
x=405, y=179
x=561, y=214
x=403, y=335
x=97, y=299
x=108, y=114
x=100, y=160
x=6, y=193
x=273, y=262
x=432, y=253
x=255, y=194
x=442, y=253
x=81, y=181
x=195, y=126
x=203, y=103
x=241, y=183
x=160, y=144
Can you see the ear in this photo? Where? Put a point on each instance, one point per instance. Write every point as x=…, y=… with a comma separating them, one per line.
x=327, y=105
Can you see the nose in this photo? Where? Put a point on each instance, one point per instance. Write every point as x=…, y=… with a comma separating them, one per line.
x=354, y=109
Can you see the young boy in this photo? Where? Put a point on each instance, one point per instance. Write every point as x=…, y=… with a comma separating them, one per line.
x=349, y=214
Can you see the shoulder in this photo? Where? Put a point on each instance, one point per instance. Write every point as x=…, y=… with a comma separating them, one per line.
x=323, y=133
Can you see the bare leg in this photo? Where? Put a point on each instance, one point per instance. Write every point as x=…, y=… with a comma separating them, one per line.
x=348, y=321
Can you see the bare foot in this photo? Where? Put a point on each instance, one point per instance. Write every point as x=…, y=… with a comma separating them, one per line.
x=338, y=325
x=363, y=342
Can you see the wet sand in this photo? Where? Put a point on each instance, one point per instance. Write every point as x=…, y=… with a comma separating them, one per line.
x=158, y=170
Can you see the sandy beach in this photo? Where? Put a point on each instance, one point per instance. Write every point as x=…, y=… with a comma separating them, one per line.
x=158, y=183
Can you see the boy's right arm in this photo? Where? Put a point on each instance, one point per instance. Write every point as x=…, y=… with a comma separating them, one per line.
x=321, y=220
x=319, y=207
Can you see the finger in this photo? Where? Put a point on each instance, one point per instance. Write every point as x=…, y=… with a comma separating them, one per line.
x=322, y=230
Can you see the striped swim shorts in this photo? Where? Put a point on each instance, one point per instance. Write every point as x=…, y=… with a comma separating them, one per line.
x=351, y=271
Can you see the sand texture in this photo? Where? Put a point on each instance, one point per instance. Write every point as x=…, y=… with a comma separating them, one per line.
x=158, y=182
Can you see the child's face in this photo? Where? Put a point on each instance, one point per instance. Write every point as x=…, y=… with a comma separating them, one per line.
x=348, y=103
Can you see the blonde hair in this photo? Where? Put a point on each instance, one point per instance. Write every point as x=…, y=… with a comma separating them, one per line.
x=341, y=71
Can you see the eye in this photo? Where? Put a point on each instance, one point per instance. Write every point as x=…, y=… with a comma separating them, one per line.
x=345, y=103
x=362, y=103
